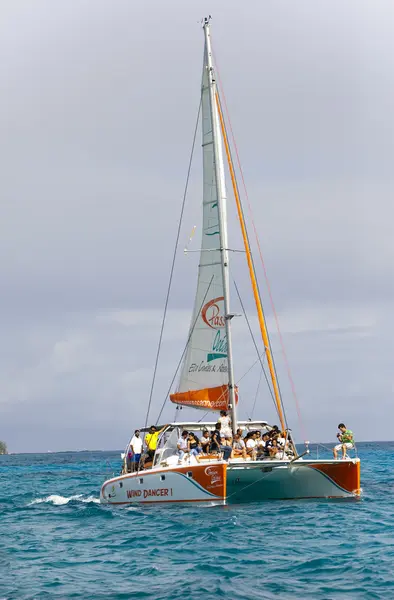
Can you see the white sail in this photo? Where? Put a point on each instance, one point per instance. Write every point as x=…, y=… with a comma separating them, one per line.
x=204, y=377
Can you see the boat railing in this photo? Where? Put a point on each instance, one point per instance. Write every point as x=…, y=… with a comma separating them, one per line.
x=329, y=449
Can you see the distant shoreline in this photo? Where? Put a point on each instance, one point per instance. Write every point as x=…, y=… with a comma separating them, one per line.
x=327, y=446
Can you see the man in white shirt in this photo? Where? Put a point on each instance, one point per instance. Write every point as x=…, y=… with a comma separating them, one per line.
x=136, y=448
x=182, y=445
x=251, y=446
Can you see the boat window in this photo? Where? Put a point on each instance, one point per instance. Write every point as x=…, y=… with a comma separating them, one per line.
x=162, y=477
x=121, y=484
x=190, y=474
x=266, y=469
x=141, y=480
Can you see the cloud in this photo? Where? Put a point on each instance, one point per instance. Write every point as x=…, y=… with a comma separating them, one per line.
x=88, y=384
x=97, y=110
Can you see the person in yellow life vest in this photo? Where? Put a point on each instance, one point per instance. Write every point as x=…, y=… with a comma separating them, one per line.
x=151, y=439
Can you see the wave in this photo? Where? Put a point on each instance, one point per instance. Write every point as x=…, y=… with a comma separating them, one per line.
x=57, y=500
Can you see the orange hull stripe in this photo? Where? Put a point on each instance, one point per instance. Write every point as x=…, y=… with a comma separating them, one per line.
x=343, y=473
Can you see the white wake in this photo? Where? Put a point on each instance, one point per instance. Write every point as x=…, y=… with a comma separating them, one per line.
x=57, y=500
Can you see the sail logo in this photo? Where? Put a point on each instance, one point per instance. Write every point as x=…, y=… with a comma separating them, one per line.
x=219, y=347
x=212, y=313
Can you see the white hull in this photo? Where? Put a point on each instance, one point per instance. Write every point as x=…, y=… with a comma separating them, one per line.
x=193, y=483
x=236, y=482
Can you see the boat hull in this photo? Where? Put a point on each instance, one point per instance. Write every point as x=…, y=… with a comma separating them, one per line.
x=275, y=480
x=236, y=482
x=194, y=483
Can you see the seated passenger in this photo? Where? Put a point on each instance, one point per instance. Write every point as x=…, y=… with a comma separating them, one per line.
x=193, y=444
x=182, y=446
x=239, y=448
x=265, y=444
x=346, y=439
x=251, y=445
x=205, y=441
x=225, y=447
x=273, y=448
x=259, y=441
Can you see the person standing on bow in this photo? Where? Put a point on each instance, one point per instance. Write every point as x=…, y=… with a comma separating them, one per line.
x=346, y=439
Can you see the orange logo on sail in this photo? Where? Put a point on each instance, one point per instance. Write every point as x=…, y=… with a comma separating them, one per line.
x=211, y=314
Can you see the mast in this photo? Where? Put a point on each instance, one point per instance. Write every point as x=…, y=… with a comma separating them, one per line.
x=221, y=194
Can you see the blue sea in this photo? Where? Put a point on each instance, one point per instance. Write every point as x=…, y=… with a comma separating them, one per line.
x=57, y=541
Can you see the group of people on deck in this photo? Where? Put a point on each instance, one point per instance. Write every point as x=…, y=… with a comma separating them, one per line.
x=254, y=444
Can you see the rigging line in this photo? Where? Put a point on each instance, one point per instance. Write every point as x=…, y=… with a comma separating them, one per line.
x=257, y=393
x=248, y=371
x=204, y=415
x=258, y=386
x=284, y=354
x=185, y=348
x=255, y=345
x=173, y=263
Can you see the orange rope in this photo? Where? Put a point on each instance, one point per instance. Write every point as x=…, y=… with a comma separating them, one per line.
x=252, y=274
x=300, y=421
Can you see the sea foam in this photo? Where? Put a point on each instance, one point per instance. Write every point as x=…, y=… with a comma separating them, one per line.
x=57, y=500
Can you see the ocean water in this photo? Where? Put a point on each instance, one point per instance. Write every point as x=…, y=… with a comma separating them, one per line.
x=57, y=541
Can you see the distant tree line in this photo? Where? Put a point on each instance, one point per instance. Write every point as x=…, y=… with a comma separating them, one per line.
x=3, y=448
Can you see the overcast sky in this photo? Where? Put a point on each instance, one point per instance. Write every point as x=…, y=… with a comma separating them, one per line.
x=98, y=103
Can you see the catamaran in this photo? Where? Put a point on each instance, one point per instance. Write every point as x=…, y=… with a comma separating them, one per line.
x=207, y=374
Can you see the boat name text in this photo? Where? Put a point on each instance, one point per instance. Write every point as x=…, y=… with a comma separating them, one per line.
x=150, y=492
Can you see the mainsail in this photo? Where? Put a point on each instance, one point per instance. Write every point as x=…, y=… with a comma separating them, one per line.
x=204, y=376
